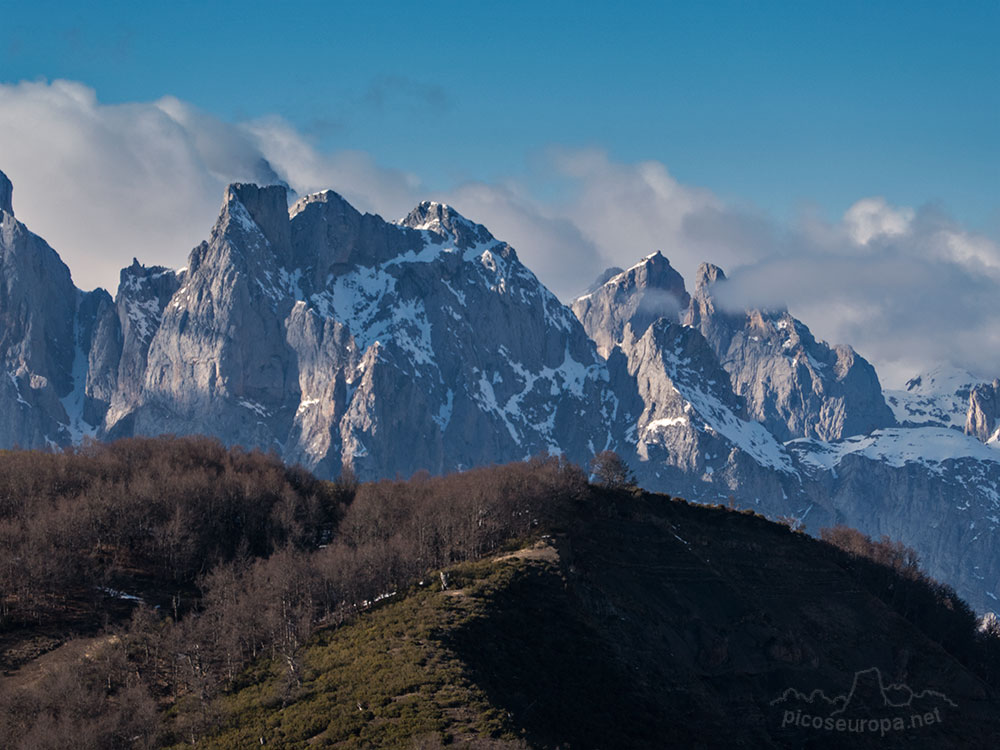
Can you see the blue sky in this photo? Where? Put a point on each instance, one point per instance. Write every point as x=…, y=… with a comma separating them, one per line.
x=838, y=158
x=772, y=104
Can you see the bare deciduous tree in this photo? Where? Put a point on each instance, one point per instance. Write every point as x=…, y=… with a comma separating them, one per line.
x=610, y=470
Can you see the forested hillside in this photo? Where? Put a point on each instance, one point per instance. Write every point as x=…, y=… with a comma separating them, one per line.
x=170, y=592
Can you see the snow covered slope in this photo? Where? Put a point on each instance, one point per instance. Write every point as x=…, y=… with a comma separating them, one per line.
x=939, y=398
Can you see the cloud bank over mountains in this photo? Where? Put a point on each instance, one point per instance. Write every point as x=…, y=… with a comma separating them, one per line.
x=908, y=287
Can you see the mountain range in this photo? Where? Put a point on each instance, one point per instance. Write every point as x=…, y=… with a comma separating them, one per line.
x=336, y=338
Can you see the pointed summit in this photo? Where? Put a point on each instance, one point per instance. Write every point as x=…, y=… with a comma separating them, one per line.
x=635, y=298
x=430, y=215
x=265, y=207
x=701, y=312
x=655, y=272
x=444, y=221
x=328, y=232
x=38, y=316
x=708, y=274
x=6, y=193
x=797, y=386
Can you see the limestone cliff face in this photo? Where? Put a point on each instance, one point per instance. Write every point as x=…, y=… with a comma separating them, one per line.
x=693, y=433
x=984, y=411
x=99, y=324
x=793, y=384
x=336, y=337
x=218, y=362
x=122, y=338
x=638, y=297
x=46, y=326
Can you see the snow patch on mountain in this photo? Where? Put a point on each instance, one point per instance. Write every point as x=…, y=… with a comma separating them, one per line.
x=355, y=300
x=412, y=331
x=706, y=410
x=430, y=252
x=658, y=424
x=239, y=214
x=939, y=397
x=930, y=447
x=751, y=437
x=144, y=315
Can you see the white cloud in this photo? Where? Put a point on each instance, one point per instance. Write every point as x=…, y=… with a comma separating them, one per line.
x=629, y=210
x=552, y=246
x=353, y=174
x=913, y=299
x=874, y=218
x=103, y=183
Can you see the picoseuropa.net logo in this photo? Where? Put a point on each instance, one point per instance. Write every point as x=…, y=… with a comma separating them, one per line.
x=870, y=706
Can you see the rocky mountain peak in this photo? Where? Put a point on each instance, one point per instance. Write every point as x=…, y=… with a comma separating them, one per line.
x=266, y=207
x=707, y=275
x=6, y=193
x=717, y=328
x=132, y=275
x=329, y=235
x=637, y=297
x=690, y=413
x=444, y=221
x=318, y=200
x=794, y=384
x=983, y=414
x=939, y=397
x=38, y=334
x=702, y=307
x=138, y=280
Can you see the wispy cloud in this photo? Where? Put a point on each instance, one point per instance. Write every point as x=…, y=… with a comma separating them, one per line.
x=103, y=183
x=550, y=243
x=391, y=90
x=908, y=287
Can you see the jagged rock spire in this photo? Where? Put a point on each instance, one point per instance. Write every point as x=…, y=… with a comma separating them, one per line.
x=637, y=297
x=6, y=193
x=708, y=274
x=445, y=221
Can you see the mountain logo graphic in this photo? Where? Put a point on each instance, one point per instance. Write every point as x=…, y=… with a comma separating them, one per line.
x=870, y=706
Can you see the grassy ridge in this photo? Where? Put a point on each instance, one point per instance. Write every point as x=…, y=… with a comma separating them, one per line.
x=658, y=624
x=389, y=679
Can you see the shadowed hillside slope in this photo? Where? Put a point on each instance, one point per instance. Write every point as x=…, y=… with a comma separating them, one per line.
x=169, y=593
x=645, y=623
